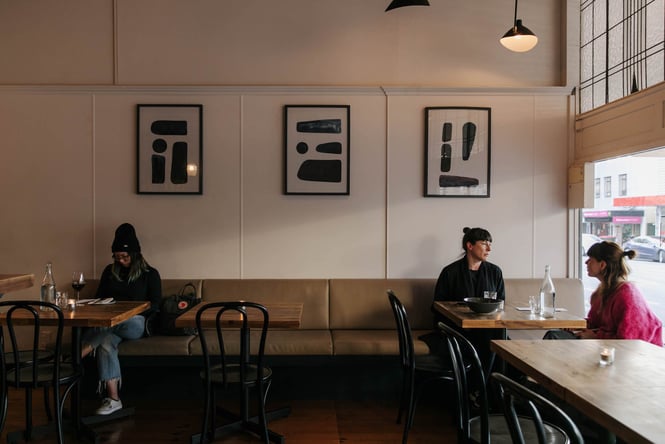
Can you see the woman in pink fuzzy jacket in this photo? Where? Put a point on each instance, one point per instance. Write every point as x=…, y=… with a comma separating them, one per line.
x=618, y=309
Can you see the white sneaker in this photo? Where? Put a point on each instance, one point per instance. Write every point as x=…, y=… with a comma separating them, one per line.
x=109, y=406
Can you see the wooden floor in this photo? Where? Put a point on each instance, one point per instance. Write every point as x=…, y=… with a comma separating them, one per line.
x=311, y=421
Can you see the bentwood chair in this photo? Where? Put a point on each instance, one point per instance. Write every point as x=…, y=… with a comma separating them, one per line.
x=532, y=403
x=418, y=371
x=33, y=371
x=243, y=370
x=475, y=424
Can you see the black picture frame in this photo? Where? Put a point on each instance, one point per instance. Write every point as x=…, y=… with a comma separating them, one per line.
x=457, y=151
x=169, y=154
x=317, y=149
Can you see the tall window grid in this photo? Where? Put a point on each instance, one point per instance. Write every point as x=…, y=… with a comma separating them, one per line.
x=622, y=49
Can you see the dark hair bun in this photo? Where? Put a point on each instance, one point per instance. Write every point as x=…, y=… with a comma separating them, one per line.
x=630, y=253
x=465, y=230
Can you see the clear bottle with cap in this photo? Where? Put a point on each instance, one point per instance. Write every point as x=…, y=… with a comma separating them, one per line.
x=547, y=295
x=48, y=285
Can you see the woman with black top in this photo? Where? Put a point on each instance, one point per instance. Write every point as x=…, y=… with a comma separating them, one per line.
x=470, y=276
x=128, y=278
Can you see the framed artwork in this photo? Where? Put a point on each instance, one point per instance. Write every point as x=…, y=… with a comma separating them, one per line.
x=316, y=149
x=169, y=149
x=457, y=152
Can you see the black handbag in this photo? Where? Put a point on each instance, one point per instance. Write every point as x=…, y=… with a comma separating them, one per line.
x=173, y=306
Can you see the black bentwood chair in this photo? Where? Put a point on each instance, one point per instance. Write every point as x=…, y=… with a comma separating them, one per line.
x=475, y=424
x=34, y=369
x=532, y=403
x=417, y=370
x=244, y=374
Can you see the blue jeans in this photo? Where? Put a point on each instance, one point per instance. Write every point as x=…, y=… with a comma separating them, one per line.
x=104, y=342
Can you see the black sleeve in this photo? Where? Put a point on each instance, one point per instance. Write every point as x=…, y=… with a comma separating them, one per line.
x=154, y=289
x=104, y=287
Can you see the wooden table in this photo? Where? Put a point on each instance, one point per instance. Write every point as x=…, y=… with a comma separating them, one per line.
x=286, y=315
x=96, y=315
x=13, y=282
x=510, y=317
x=625, y=397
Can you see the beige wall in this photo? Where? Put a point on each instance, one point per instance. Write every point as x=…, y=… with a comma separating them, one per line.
x=69, y=135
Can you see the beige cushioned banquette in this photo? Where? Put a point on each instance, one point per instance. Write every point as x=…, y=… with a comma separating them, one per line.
x=340, y=316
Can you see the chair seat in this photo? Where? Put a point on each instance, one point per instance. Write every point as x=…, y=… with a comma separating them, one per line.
x=500, y=432
x=233, y=374
x=44, y=375
x=25, y=357
x=433, y=363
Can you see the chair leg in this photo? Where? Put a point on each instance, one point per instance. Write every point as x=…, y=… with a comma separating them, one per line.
x=403, y=396
x=58, y=414
x=3, y=406
x=263, y=421
x=410, y=408
x=206, y=412
x=28, y=414
x=47, y=407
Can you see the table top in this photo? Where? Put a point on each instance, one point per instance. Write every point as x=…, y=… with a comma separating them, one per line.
x=280, y=316
x=622, y=397
x=12, y=282
x=510, y=317
x=96, y=315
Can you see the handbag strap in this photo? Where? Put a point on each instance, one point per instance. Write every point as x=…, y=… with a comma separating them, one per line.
x=188, y=285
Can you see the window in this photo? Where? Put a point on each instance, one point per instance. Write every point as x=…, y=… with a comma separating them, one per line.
x=623, y=184
x=608, y=186
x=630, y=221
x=622, y=45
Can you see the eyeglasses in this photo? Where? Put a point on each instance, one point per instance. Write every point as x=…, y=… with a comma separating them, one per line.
x=121, y=257
x=487, y=244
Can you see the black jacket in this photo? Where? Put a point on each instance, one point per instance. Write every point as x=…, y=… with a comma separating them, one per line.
x=455, y=281
x=148, y=287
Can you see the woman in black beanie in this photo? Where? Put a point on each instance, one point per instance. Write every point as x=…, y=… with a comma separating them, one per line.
x=128, y=278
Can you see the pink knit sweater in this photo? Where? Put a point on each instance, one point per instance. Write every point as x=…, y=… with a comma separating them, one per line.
x=625, y=315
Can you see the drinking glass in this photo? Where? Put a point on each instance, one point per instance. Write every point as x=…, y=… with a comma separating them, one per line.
x=534, y=304
x=78, y=282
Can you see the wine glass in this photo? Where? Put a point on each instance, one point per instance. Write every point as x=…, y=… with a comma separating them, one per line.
x=78, y=282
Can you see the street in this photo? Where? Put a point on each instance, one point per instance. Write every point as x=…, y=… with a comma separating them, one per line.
x=649, y=277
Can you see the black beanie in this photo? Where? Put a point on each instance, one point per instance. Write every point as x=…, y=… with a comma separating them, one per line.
x=125, y=239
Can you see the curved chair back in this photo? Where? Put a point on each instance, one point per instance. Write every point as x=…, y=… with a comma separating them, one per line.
x=461, y=352
x=406, y=350
x=248, y=371
x=514, y=393
x=241, y=320
x=28, y=313
x=28, y=368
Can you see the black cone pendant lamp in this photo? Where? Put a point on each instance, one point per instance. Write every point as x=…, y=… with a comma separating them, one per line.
x=519, y=38
x=399, y=3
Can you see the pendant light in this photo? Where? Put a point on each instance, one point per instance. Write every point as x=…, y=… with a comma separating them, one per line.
x=519, y=38
x=399, y=3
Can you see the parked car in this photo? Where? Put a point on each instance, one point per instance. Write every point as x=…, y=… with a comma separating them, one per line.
x=646, y=248
x=587, y=241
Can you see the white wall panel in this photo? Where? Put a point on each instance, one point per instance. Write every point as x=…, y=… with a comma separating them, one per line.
x=344, y=42
x=527, y=199
x=47, y=42
x=46, y=185
x=312, y=236
x=181, y=235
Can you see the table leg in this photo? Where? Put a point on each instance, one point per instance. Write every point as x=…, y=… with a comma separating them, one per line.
x=82, y=424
